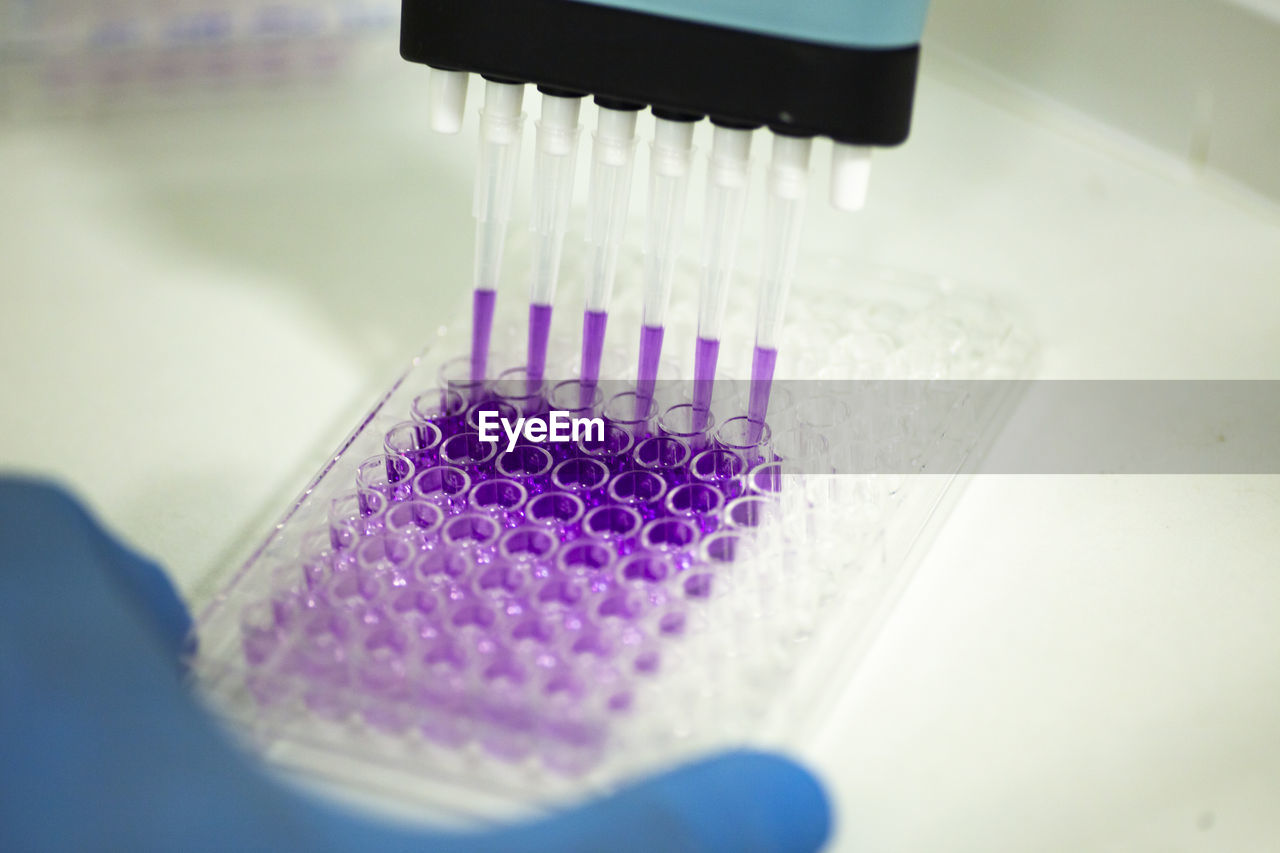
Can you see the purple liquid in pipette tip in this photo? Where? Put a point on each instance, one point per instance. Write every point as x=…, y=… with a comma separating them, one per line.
x=706, y=354
x=650, y=353
x=762, y=363
x=593, y=326
x=481, y=326
x=539, y=333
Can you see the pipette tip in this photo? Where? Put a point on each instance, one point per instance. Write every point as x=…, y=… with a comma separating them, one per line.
x=706, y=354
x=650, y=353
x=482, y=302
x=762, y=364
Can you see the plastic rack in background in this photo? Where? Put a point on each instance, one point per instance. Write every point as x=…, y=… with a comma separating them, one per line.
x=78, y=55
x=450, y=620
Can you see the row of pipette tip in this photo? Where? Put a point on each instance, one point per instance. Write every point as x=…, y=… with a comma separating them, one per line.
x=608, y=200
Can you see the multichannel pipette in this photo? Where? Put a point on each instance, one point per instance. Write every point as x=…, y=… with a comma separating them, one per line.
x=844, y=69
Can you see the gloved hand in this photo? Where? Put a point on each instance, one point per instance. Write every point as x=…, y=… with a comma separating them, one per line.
x=102, y=747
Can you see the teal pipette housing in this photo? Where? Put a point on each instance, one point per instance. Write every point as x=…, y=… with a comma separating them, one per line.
x=839, y=68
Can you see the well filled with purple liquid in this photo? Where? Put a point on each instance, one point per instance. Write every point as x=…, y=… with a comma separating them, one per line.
x=477, y=595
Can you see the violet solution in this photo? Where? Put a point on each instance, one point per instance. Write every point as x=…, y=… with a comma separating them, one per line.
x=705, y=355
x=539, y=333
x=763, y=360
x=650, y=353
x=593, y=328
x=482, y=301
x=477, y=616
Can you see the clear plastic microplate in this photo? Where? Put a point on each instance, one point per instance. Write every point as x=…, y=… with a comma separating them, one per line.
x=475, y=627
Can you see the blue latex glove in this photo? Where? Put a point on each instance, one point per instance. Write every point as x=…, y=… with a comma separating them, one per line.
x=103, y=748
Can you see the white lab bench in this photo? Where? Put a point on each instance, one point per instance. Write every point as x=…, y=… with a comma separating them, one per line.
x=199, y=302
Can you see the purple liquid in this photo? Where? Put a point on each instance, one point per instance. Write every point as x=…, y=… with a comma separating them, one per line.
x=593, y=327
x=762, y=362
x=344, y=668
x=481, y=326
x=539, y=332
x=650, y=352
x=705, y=356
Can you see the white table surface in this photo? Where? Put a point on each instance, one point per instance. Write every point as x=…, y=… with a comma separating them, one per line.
x=199, y=302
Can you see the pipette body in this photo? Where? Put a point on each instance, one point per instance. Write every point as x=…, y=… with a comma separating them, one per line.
x=843, y=69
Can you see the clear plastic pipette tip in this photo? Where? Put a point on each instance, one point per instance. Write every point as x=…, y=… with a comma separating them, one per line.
x=726, y=196
x=612, y=158
x=669, y=160
x=784, y=214
x=501, y=123
x=554, y=167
